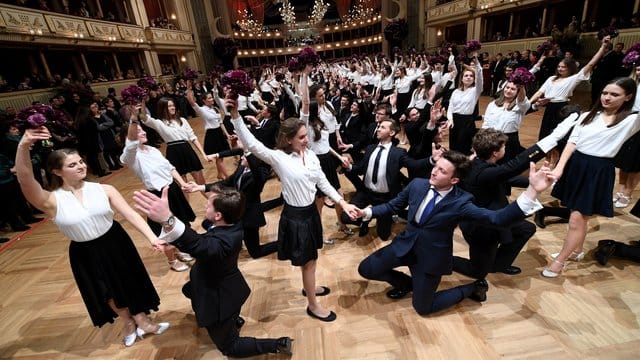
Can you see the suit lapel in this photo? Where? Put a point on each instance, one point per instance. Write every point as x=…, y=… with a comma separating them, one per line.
x=442, y=204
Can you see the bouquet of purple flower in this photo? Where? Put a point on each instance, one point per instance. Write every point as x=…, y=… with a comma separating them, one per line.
x=444, y=50
x=279, y=76
x=308, y=56
x=545, y=46
x=635, y=47
x=133, y=94
x=522, y=76
x=189, y=74
x=237, y=82
x=632, y=59
x=35, y=116
x=294, y=64
x=437, y=59
x=472, y=45
x=147, y=82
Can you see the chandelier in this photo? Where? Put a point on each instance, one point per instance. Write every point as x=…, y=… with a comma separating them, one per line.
x=317, y=14
x=248, y=23
x=288, y=14
x=361, y=11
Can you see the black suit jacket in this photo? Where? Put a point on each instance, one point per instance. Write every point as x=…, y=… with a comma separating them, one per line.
x=431, y=242
x=267, y=133
x=352, y=133
x=398, y=158
x=217, y=286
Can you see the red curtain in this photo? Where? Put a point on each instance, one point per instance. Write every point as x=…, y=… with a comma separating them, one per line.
x=236, y=7
x=257, y=8
x=343, y=8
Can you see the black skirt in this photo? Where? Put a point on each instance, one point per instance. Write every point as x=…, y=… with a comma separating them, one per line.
x=181, y=155
x=328, y=164
x=586, y=185
x=628, y=158
x=462, y=133
x=550, y=119
x=215, y=141
x=109, y=267
x=299, y=234
x=178, y=204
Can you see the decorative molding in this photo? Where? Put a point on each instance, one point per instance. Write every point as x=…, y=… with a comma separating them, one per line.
x=19, y=21
x=402, y=10
x=249, y=53
x=68, y=26
x=132, y=33
x=103, y=30
x=448, y=10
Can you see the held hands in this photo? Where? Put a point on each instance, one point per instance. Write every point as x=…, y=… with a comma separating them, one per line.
x=32, y=135
x=155, y=208
x=192, y=187
x=351, y=210
x=211, y=157
x=540, y=180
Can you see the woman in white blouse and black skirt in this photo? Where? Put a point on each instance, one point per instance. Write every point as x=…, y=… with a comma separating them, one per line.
x=461, y=106
x=586, y=171
x=300, y=228
x=177, y=133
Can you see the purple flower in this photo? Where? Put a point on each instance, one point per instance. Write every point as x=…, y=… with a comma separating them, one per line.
x=133, y=94
x=545, y=46
x=147, y=82
x=36, y=120
x=522, y=76
x=437, y=59
x=238, y=83
x=472, y=45
x=308, y=56
x=294, y=64
x=444, y=50
x=189, y=74
x=635, y=47
x=632, y=59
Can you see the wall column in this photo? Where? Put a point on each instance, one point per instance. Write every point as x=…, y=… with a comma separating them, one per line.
x=45, y=65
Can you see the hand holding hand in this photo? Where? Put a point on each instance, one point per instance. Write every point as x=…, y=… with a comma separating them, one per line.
x=540, y=179
x=192, y=187
x=155, y=208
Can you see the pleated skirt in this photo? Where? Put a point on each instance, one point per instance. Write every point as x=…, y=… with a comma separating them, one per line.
x=299, y=234
x=109, y=267
x=181, y=155
x=215, y=141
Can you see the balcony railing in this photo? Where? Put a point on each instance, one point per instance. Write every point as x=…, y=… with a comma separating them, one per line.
x=244, y=53
x=18, y=24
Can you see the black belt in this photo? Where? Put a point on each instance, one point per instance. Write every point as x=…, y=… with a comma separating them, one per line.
x=176, y=142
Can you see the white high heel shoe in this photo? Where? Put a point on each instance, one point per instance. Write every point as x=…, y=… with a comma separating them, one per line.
x=162, y=327
x=573, y=257
x=131, y=338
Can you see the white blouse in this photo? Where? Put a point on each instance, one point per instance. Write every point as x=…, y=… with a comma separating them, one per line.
x=211, y=117
x=86, y=220
x=149, y=165
x=507, y=121
x=172, y=131
x=298, y=175
x=464, y=102
x=321, y=146
x=596, y=139
x=561, y=90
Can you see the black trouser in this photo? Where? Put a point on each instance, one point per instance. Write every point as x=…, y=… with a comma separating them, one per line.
x=491, y=249
x=426, y=299
x=365, y=198
x=226, y=336
x=628, y=252
x=252, y=241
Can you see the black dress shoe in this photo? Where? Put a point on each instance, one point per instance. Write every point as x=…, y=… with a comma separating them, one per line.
x=284, y=345
x=480, y=293
x=511, y=270
x=364, y=229
x=331, y=317
x=538, y=218
x=325, y=292
x=239, y=322
x=606, y=248
x=398, y=293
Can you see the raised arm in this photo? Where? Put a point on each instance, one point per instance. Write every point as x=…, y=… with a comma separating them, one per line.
x=586, y=70
x=32, y=190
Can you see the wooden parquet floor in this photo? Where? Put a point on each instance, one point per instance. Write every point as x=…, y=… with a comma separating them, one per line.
x=592, y=312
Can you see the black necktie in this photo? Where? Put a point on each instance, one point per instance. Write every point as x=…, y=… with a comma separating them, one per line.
x=376, y=165
x=430, y=205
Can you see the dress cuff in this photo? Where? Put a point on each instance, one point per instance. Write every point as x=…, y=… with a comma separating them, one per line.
x=527, y=205
x=174, y=234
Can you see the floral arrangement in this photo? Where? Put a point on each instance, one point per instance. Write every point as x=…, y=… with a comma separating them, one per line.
x=545, y=46
x=293, y=65
x=437, y=59
x=308, y=56
x=444, y=50
x=147, y=82
x=632, y=59
x=133, y=94
x=225, y=47
x=522, y=76
x=396, y=31
x=237, y=82
x=35, y=116
x=189, y=74
x=472, y=45
x=610, y=31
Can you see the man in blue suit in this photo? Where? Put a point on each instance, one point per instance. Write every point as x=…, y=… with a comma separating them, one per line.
x=436, y=206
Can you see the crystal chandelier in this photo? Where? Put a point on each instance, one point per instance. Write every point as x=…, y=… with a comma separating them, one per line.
x=317, y=14
x=362, y=10
x=288, y=14
x=248, y=23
